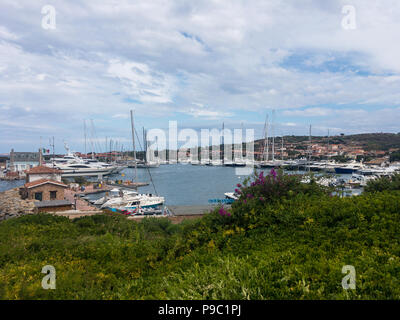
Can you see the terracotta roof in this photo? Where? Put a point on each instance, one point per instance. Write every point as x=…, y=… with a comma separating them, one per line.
x=44, y=181
x=42, y=169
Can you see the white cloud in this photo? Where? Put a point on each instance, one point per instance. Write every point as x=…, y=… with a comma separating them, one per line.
x=162, y=56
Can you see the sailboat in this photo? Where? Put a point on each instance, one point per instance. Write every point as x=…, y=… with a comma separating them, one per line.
x=267, y=163
x=134, y=203
x=149, y=161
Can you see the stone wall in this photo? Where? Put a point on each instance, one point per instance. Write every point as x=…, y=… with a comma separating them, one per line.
x=45, y=189
x=11, y=205
x=55, y=209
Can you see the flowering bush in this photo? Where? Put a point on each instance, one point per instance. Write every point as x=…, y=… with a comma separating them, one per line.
x=275, y=186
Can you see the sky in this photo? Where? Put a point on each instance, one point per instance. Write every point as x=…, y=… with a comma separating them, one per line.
x=200, y=63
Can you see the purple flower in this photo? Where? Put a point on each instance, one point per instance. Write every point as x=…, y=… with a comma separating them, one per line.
x=222, y=211
x=261, y=199
x=273, y=173
x=239, y=185
x=249, y=195
x=244, y=201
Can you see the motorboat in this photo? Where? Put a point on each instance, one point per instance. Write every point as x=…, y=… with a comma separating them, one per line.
x=112, y=194
x=133, y=202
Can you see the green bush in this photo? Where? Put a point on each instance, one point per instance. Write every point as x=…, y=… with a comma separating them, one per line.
x=292, y=246
x=383, y=183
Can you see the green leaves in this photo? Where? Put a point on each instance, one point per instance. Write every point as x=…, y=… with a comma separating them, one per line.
x=293, y=248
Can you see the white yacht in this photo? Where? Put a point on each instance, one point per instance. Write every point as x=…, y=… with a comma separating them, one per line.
x=133, y=202
x=72, y=165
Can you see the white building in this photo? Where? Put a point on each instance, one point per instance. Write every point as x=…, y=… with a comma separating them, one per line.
x=43, y=172
x=20, y=161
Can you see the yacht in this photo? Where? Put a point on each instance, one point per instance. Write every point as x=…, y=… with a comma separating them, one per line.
x=133, y=202
x=112, y=194
x=231, y=196
x=349, y=168
x=142, y=164
x=271, y=163
x=72, y=165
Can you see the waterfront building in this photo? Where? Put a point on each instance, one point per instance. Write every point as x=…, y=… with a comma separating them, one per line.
x=48, y=193
x=20, y=161
x=43, y=172
x=44, y=190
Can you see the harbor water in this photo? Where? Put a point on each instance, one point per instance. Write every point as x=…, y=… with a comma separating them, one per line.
x=180, y=184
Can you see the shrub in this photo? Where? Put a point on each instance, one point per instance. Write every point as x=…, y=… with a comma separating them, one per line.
x=383, y=183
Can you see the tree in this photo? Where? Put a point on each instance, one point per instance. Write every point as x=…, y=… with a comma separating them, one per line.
x=395, y=156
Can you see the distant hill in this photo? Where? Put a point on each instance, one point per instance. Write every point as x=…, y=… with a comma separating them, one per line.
x=369, y=141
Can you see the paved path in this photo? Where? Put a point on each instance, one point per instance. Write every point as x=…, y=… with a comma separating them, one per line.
x=81, y=204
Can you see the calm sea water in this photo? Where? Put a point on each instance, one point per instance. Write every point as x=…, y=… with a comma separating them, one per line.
x=185, y=184
x=180, y=184
x=6, y=185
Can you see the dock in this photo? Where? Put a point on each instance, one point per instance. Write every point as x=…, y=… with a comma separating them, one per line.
x=132, y=185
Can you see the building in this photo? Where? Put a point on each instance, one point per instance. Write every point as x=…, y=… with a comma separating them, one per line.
x=45, y=190
x=48, y=193
x=20, y=161
x=3, y=161
x=43, y=172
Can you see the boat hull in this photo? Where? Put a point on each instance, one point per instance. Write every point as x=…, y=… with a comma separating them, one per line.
x=345, y=170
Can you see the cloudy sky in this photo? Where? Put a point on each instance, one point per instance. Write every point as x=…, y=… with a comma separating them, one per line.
x=200, y=63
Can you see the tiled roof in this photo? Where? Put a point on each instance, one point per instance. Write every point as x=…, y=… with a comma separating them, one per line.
x=44, y=181
x=42, y=169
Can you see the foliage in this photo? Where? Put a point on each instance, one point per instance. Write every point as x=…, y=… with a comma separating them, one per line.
x=395, y=156
x=384, y=183
x=288, y=243
x=80, y=180
x=341, y=159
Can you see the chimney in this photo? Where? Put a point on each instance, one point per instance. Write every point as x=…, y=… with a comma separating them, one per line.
x=40, y=157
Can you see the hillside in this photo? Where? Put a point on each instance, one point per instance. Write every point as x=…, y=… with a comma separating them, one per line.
x=368, y=141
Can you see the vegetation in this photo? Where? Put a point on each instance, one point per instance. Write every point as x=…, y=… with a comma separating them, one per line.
x=368, y=141
x=281, y=240
x=383, y=183
x=395, y=156
x=80, y=180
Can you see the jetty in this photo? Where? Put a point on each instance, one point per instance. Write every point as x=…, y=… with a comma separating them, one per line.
x=130, y=185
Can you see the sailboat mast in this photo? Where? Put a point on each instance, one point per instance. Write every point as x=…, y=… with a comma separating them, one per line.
x=267, y=139
x=273, y=135
x=84, y=133
x=133, y=144
x=223, y=141
x=328, y=143
x=310, y=151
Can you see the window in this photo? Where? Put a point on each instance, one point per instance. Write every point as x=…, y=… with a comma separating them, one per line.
x=38, y=196
x=53, y=195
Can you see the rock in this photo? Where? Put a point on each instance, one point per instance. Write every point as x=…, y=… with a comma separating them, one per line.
x=11, y=205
